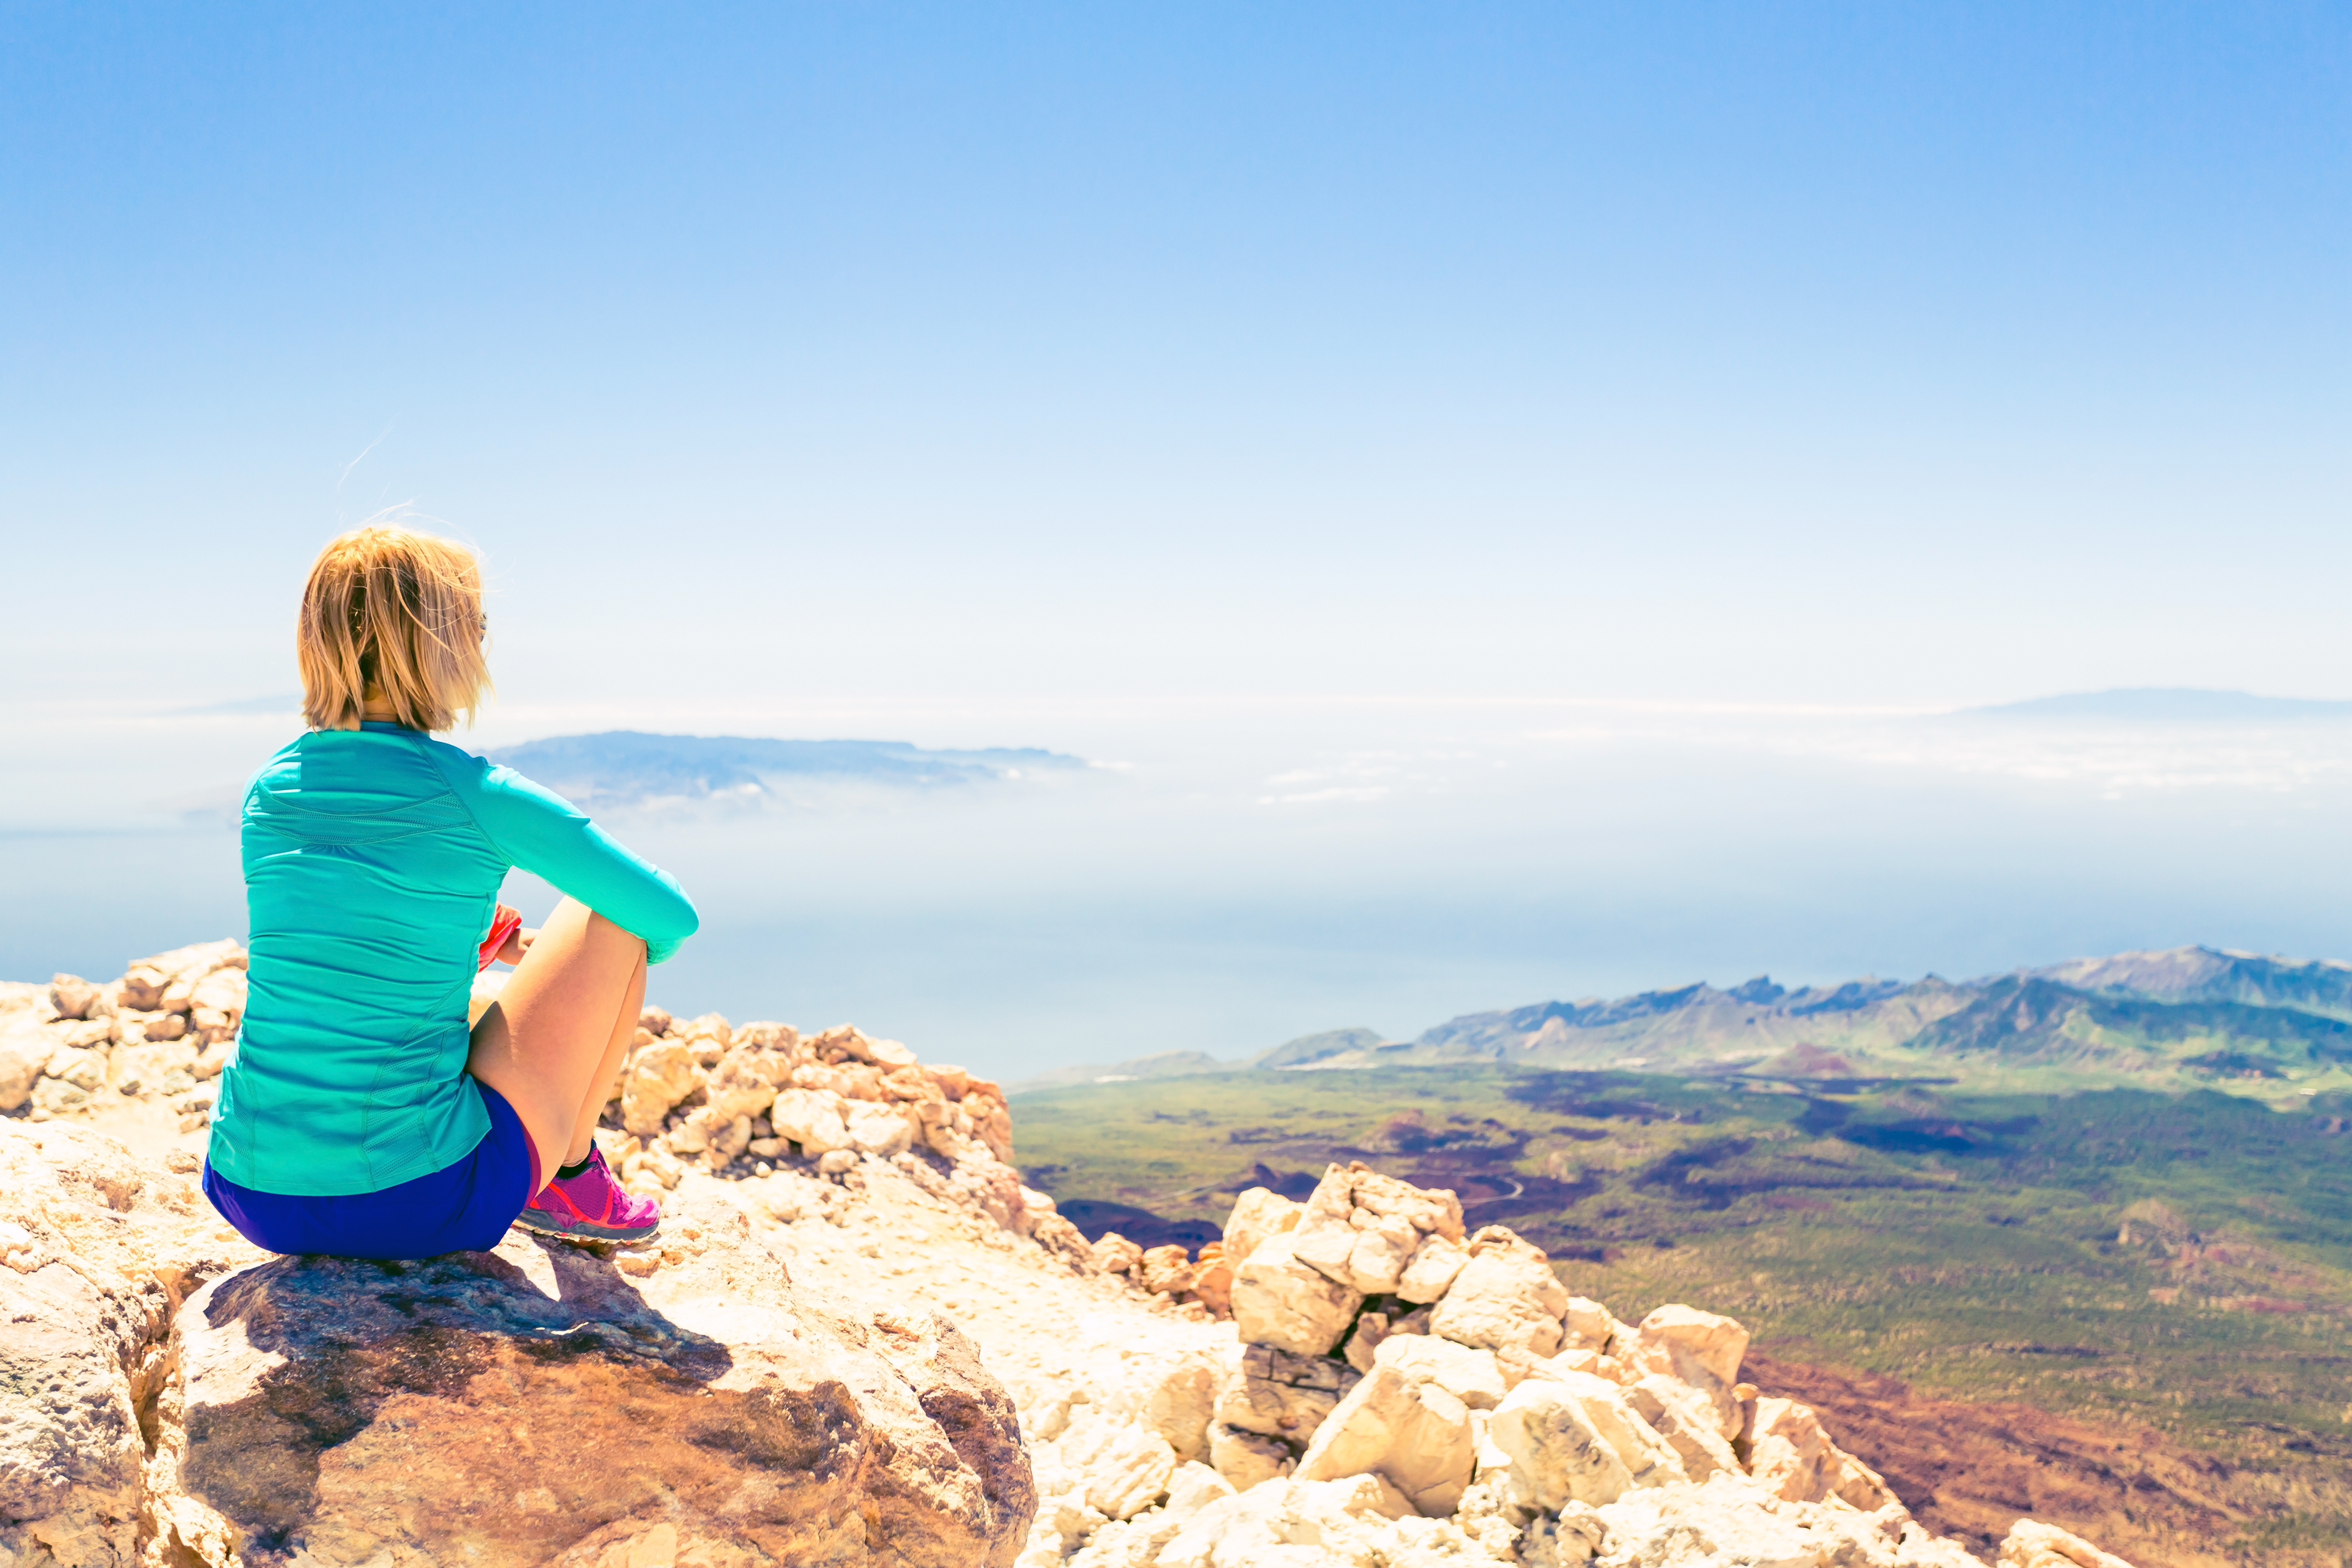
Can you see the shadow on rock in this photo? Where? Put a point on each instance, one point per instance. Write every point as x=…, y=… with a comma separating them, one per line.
x=511, y=1407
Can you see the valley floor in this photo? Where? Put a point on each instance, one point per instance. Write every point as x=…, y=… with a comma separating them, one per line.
x=2124, y=1312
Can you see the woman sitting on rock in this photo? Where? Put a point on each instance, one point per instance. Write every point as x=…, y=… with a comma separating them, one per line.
x=360, y=1117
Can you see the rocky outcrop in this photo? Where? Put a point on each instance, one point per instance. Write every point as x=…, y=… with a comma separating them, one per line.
x=704, y=1091
x=540, y=1399
x=171, y=1395
x=858, y=1340
x=97, y=1248
x=181, y=1398
x=1480, y=1414
x=159, y=1033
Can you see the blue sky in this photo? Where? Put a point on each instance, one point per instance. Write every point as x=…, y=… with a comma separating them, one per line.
x=1500, y=477
x=1844, y=354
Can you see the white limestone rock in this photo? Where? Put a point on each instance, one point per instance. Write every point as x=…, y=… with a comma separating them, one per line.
x=1245, y=1458
x=1473, y=1376
x=1361, y=1229
x=1686, y=1417
x=1127, y=1466
x=1586, y=1324
x=71, y=996
x=1280, y=1302
x=878, y=1130
x=1407, y=1429
x=1791, y=1457
x=811, y=1118
x=1193, y=1487
x=25, y=1049
x=657, y=1078
x=1362, y=1523
x=1727, y=1521
x=1505, y=1297
x=1432, y=1269
x=1177, y=1398
x=1258, y=1213
x=1280, y=1394
x=1574, y=1437
x=1701, y=1349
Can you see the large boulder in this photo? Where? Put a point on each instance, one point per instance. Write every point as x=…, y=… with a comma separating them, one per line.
x=1259, y=1212
x=1280, y=1395
x=1473, y=1376
x=25, y=1051
x=1280, y=1302
x=535, y=1404
x=1505, y=1297
x=1574, y=1437
x=71, y=1449
x=1791, y=1457
x=1361, y=1229
x=1408, y=1429
x=495, y=1408
x=1702, y=1349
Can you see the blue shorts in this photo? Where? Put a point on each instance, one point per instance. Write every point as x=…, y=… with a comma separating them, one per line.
x=461, y=1207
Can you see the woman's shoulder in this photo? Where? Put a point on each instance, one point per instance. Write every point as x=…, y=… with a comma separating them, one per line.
x=496, y=784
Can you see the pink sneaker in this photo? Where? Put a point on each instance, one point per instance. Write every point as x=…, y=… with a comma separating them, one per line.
x=591, y=1207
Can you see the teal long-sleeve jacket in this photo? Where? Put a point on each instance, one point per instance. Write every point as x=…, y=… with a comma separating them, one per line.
x=372, y=860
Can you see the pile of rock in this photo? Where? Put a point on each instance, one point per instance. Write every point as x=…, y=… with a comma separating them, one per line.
x=961, y=1378
x=1397, y=1391
x=160, y=1031
x=699, y=1092
x=1169, y=1275
x=704, y=1093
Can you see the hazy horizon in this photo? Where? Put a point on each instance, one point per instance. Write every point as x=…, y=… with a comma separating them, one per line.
x=1502, y=484
x=1234, y=880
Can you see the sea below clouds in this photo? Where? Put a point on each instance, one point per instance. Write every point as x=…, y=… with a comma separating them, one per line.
x=1029, y=889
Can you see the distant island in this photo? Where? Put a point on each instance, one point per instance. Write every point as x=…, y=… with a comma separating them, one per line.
x=2182, y=1018
x=630, y=767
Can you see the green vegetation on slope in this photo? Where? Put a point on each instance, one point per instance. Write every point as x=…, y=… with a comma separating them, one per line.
x=2181, y=1264
x=2273, y=1030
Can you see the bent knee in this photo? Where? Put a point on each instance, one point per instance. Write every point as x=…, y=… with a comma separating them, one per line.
x=603, y=929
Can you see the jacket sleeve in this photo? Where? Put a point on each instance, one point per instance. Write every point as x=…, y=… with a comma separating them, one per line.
x=553, y=840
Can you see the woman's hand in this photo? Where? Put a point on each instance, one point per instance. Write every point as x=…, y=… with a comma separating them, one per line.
x=518, y=945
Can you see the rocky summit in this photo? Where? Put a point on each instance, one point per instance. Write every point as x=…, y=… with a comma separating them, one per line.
x=858, y=1340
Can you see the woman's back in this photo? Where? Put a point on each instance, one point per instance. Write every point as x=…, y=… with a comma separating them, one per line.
x=372, y=861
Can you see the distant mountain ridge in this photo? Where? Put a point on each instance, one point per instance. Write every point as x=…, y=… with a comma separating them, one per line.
x=2322, y=986
x=2185, y=1016
x=628, y=767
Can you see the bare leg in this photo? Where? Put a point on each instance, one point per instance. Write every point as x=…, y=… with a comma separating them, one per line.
x=624, y=1030
x=551, y=1042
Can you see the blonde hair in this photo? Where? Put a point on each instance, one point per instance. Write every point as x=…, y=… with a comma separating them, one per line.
x=395, y=616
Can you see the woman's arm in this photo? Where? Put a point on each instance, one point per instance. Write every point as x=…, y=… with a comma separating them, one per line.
x=550, y=838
